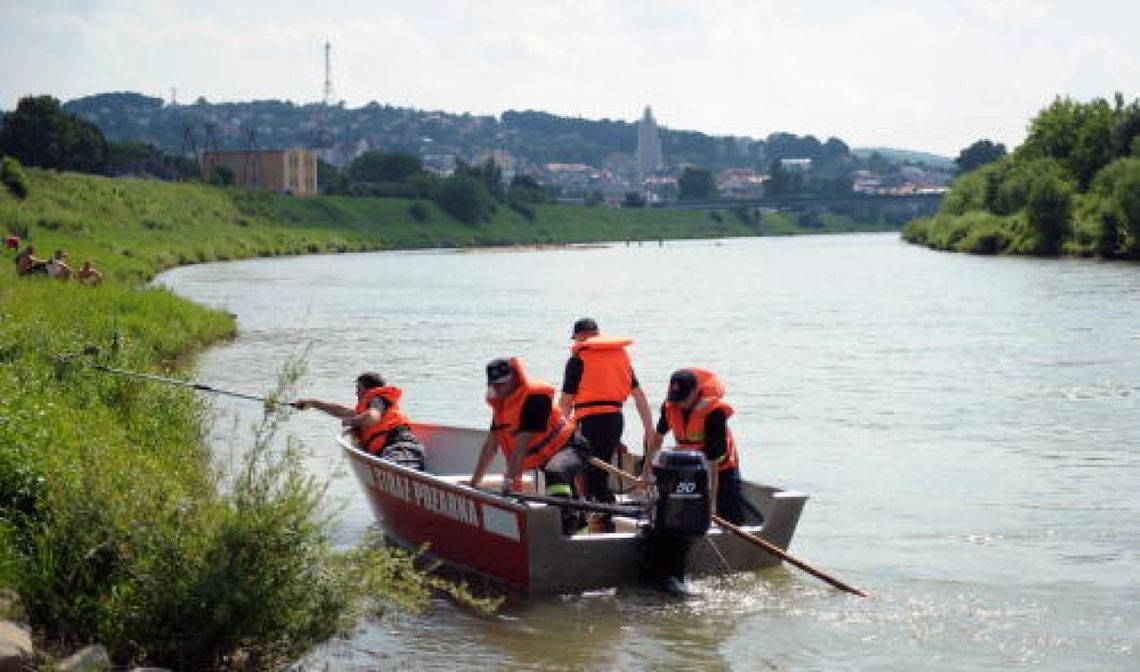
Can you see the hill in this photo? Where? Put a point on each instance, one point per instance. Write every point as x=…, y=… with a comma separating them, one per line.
x=531, y=137
x=908, y=156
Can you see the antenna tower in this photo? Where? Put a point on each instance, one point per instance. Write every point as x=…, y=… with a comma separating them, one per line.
x=328, y=73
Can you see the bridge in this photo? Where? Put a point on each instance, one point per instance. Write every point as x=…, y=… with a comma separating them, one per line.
x=925, y=202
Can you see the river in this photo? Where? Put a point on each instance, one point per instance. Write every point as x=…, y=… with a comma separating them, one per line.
x=968, y=430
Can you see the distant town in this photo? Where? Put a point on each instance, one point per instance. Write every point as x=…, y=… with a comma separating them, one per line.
x=573, y=159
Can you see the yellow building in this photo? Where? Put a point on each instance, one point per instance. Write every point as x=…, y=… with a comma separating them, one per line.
x=286, y=171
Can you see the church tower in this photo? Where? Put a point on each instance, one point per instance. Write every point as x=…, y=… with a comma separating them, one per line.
x=649, y=158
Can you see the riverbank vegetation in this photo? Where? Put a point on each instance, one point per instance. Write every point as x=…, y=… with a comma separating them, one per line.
x=117, y=525
x=1073, y=187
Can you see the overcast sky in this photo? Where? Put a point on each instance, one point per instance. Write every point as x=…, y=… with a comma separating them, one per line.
x=933, y=75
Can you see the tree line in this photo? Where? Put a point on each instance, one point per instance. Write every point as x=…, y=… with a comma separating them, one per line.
x=1073, y=187
x=40, y=133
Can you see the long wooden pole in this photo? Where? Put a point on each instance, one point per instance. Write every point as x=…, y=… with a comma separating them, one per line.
x=183, y=383
x=753, y=539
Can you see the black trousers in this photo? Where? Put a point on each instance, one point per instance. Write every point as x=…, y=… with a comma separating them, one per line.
x=603, y=431
x=560, y=472
x=729, y=499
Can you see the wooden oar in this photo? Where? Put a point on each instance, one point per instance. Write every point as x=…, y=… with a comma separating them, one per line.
x=753, y=539
x=183, y=383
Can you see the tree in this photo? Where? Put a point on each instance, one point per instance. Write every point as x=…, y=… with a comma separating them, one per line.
x=489, y=173
x=465, y=198
x=696, y=183
x=380, y=167
x=1048, y=209
x=222, y=176
x=979, y=154
x=40, y=133
x=12, y=177
x=525, y=189
x=1079, y=135
x=1126, y=133
x=1116, y=189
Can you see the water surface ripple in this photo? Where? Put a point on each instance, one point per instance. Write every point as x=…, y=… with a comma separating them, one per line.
x=966, y=427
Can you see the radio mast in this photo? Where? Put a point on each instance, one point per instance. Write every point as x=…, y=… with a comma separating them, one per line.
x=328, y=73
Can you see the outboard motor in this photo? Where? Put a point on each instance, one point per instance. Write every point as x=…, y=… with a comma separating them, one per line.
x=679, y=515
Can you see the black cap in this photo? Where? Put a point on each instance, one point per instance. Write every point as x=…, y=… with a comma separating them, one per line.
x=498, y=370
x=370, y=380
x=681, y=384
x=584, y=324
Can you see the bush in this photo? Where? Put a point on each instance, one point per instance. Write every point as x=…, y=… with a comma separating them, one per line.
x=418, y=211
x=12, y=175
x=222, y=176
x=525, y=210
x=466, y=198
x=1048, y=210
x=115, y=527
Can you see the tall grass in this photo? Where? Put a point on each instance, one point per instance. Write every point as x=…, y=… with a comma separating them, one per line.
x=114, y=525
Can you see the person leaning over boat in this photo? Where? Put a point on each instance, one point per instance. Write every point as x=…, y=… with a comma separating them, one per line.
x=598, y=379
x=532, y=433
x=377, y=421
x=695, y=411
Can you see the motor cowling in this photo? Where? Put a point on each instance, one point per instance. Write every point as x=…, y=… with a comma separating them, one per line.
x=681, y=491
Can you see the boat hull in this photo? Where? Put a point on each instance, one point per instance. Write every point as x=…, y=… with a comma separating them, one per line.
x=521, y=544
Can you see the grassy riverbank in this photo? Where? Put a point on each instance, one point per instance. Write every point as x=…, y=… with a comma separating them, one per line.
x=115, y=526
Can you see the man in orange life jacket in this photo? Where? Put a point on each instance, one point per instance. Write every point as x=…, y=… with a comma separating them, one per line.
x=598, y=379
x=531, y=433
x=696, y=413
x=376, y=420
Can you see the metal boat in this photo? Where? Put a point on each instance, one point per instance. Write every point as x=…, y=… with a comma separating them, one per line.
x=520, y=543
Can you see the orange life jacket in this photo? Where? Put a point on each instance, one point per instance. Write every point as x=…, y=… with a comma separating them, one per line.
x=689, y=429
x=508, y=416
x=373, y=437
x=607, y=375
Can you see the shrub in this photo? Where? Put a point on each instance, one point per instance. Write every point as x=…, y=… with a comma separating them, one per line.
x=525, y=211
x=466, y=198
x=1048, y=210
x=12, y=175
x=418, y=211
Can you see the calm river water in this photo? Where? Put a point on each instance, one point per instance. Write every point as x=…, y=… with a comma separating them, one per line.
x=968, y=430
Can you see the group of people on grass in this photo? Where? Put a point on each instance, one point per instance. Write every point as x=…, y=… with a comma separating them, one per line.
x=534, y=432
x=57, y=266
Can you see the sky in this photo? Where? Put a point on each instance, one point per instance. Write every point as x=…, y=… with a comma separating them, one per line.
x=933, y=75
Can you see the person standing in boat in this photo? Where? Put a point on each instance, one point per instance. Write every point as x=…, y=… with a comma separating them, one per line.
x=695, y=411
x=532, y=433
x=598, y=379
x=377, y=421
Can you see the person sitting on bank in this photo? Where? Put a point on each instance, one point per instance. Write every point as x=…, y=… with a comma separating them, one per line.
x=27, y=263
x=695, y=411
x=531, y=433
x=376, y=421
x=58, y=268
x=88, y=274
